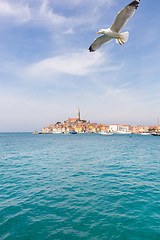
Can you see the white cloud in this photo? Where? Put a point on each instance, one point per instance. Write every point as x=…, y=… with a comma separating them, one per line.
x=48, y=13
x=18, y=12
x=88, y=3
x=78, y=63
x=89, y=14
x=63, y=24
x=44, y=13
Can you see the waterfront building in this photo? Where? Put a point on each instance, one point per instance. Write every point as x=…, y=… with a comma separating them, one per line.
x=126, y=128
x=158, y=128
x=45, y=130
x=139, y=129
x=115, y=127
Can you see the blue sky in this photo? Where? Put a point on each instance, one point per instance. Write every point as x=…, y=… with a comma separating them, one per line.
x=47, y=72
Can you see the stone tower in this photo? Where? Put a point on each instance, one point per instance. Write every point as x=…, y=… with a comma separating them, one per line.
x=78, y=114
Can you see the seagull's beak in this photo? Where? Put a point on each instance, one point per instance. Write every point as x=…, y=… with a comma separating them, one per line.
x=98, y=32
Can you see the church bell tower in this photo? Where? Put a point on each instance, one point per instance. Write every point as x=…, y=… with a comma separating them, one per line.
x=78, y=114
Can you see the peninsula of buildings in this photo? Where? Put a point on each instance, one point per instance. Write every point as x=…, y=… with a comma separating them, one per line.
x=76, y=125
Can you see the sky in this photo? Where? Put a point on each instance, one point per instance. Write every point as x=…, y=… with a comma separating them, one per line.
x=47, y=72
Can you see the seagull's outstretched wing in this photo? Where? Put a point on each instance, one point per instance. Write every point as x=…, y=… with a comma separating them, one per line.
x=124, y=15
x=98, y=42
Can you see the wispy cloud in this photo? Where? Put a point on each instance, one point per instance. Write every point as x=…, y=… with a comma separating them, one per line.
x=16, y=11
x=89, y=14
x=89, y=2
x=50, y=18
x=45, y=12
x=48, y=13
x=76, y=63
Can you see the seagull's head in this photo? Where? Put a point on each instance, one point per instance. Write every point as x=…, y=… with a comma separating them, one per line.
x=101, y=31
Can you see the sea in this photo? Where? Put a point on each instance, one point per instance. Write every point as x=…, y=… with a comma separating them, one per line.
x=79, y=187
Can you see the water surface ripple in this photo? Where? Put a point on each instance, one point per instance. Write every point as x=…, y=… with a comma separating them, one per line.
x=83, y=186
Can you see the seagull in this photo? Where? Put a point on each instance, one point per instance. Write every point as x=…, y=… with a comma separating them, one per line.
x=114, y=31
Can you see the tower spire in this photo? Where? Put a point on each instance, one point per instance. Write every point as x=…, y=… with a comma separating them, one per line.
x=78, y=113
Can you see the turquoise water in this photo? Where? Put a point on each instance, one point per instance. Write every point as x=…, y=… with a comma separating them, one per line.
x=84, y=186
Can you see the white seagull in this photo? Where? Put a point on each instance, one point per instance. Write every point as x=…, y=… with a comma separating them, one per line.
x=114, y=31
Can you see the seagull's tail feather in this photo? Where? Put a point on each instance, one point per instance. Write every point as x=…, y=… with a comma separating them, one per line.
x=123, y=37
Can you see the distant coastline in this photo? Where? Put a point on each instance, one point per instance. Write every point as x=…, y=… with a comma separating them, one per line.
x=82, y=126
